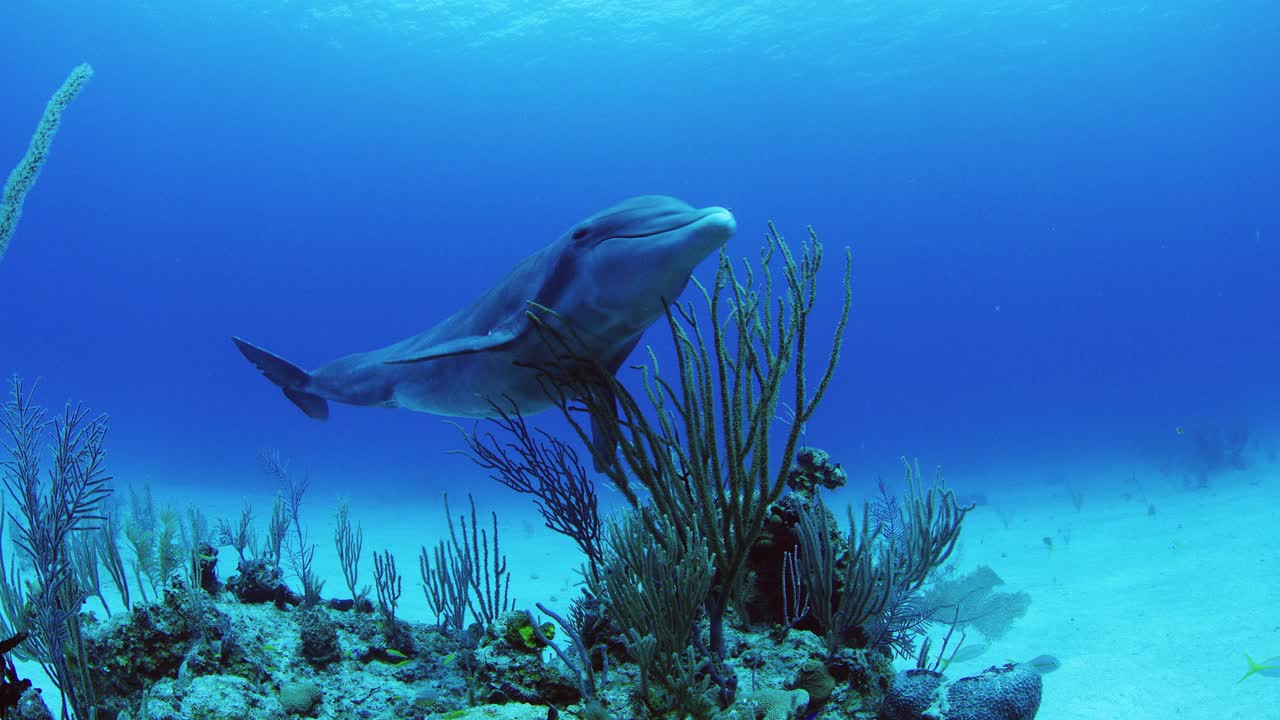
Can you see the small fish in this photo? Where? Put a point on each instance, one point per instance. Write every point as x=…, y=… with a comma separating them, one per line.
x=1267, y=668
x=269, y=648
x=966, y=652
x=1043, y=664
x=449, y=658
x=1179, y=429
x=392, y=652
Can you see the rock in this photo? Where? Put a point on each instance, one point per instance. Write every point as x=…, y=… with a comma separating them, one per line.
x=131, y=651
x=516, y=627
x=207, y=559
x=509, y=711
x=867, y=674
x=257, y=581
x=31, y=706
x=319, y=638
x=226, y=697
x=812, y=469
x=508, y=670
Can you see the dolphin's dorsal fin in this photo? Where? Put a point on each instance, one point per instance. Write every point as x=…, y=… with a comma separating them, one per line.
x=495, y=339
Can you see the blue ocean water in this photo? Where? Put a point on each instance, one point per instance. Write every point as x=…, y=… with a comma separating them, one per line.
x=1063, y=216
x=1064, y=220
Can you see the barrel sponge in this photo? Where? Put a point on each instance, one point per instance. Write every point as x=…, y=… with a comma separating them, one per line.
x=24, y=175
x=1010, y=691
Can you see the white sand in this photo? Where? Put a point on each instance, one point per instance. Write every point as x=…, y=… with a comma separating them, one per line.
x=1150, y=615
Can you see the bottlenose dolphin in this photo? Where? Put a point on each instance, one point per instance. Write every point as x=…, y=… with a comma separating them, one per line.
x=608, y=277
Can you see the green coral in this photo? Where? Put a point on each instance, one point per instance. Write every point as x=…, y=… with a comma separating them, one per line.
x=521, y=634
x=530, y=637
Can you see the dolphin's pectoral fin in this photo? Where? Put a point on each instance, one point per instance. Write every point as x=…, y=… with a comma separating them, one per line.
x=599, y=437
x=496, y=339
x=601, y=447
x=616, y=361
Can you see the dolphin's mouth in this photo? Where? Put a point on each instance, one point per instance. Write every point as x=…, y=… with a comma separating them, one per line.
x=652, y=233
x=711, y=216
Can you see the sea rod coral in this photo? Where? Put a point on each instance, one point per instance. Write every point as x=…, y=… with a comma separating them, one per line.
x=23, y=177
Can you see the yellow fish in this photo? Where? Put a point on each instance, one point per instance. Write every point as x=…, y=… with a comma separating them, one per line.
x=1267, y=668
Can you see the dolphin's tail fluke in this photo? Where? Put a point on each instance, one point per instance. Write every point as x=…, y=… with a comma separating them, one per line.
x=290, y=378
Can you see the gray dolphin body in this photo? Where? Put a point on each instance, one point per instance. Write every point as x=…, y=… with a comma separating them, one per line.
x=607, y=276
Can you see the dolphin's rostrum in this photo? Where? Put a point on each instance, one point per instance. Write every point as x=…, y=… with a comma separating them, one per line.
x=607, y=277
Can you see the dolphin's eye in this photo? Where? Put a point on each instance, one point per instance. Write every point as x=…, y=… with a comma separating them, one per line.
x=579, y=233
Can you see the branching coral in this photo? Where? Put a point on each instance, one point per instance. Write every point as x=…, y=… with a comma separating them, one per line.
x=868, y=578
x=535, y=463
x=349, y=542
x=465, y=576
x=702, y=455
x=45, y=514
x=299, y=553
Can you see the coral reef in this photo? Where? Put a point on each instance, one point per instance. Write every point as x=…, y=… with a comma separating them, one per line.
x=510, y=666
x=813, y=469
x=726, y=590
x=176, y=657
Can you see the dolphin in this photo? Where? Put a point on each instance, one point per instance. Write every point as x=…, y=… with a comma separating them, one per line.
x=608, y=277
